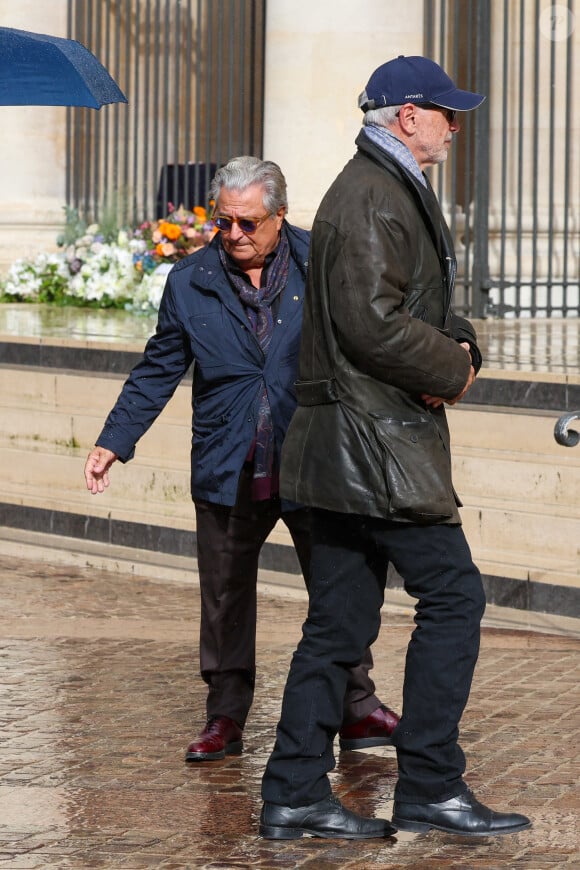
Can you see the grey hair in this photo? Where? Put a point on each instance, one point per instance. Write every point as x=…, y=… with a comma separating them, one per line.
x=383, y=117
x=241, y=172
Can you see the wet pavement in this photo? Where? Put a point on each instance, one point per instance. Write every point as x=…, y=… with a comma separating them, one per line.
x=99, y=696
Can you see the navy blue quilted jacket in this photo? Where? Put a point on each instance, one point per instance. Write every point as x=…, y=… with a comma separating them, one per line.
x=202, y=321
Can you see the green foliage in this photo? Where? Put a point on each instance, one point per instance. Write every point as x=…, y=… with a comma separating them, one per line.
x=74, y=227
x=113, y=216
x=53, y=285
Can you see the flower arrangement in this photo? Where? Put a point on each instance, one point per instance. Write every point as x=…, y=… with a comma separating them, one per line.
x=100, y=267
x=44, y=279
x=166, y=241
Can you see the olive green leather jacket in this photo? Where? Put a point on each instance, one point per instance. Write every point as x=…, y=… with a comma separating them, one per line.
x=378, y=332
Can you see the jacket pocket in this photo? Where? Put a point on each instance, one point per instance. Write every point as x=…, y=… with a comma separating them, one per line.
x=416, y=467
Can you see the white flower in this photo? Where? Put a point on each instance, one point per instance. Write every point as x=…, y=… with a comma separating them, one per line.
x=22, y=280
x=25, y=277
x=107, y=272
x=90, y=270
x=148, y=295
x=137, y=246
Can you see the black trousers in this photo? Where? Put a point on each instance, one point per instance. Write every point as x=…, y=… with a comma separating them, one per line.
x=350, y=555
x=229, y=540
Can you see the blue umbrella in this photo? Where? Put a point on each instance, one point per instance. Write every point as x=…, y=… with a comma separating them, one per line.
x=41, y=70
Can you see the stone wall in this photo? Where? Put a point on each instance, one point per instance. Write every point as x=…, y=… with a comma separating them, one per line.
x=521, y=490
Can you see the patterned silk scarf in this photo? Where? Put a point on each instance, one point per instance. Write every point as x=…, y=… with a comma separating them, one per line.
x=257, y=304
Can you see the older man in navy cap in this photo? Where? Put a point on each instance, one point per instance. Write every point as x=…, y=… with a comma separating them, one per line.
x=368, y=450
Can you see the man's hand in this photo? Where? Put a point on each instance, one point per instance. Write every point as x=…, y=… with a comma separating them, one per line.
x=97, y=467
x=436, y=401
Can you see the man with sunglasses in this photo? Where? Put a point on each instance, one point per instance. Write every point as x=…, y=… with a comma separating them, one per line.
x=368, y=451
x=234, y=310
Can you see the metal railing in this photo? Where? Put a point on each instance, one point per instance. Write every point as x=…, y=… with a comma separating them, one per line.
x=511, y=188
x=192, y=71
x=563, y=434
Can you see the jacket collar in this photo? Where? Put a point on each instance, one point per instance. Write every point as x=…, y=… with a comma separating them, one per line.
x=207, y=273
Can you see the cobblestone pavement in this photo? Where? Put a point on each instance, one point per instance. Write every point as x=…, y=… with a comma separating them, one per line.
x=99, y=696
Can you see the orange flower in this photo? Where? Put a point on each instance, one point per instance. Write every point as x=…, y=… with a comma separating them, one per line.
x=169, y=230
x=165, y=249
x=200, y=212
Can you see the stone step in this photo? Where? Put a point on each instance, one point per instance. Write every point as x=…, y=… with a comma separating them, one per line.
x=54, y=480
x=521, y=490
x=145, y=492
x=510, y=563
x=493, y=428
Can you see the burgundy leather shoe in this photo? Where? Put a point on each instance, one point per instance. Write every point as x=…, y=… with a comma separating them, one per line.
x=374, y=730
x=220, y=737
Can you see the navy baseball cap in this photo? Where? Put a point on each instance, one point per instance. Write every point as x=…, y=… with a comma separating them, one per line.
x=415, y=80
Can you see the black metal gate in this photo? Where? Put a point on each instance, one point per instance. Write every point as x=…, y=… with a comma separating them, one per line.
x=512, y=186
x=192, y=71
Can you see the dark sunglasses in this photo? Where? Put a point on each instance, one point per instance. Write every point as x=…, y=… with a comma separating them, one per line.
x=450, y=114
x=247, y=225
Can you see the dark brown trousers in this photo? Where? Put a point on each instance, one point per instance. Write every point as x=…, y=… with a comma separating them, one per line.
x=229, y=540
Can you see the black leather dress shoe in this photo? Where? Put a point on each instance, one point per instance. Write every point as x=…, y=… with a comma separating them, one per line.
x=325, y=818
x=459, y=815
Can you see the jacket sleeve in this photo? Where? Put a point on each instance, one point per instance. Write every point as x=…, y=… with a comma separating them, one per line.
x=462, y=330
x=151, y=383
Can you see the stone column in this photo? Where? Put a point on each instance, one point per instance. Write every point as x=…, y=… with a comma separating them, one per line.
x=319, y=56
x=32, y=151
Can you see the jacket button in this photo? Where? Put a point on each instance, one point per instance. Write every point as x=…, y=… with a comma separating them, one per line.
x=414, y=438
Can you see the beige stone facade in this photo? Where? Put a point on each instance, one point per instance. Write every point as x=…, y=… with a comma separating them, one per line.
x=318, y=58
x=520, y=490
x=32, y=151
